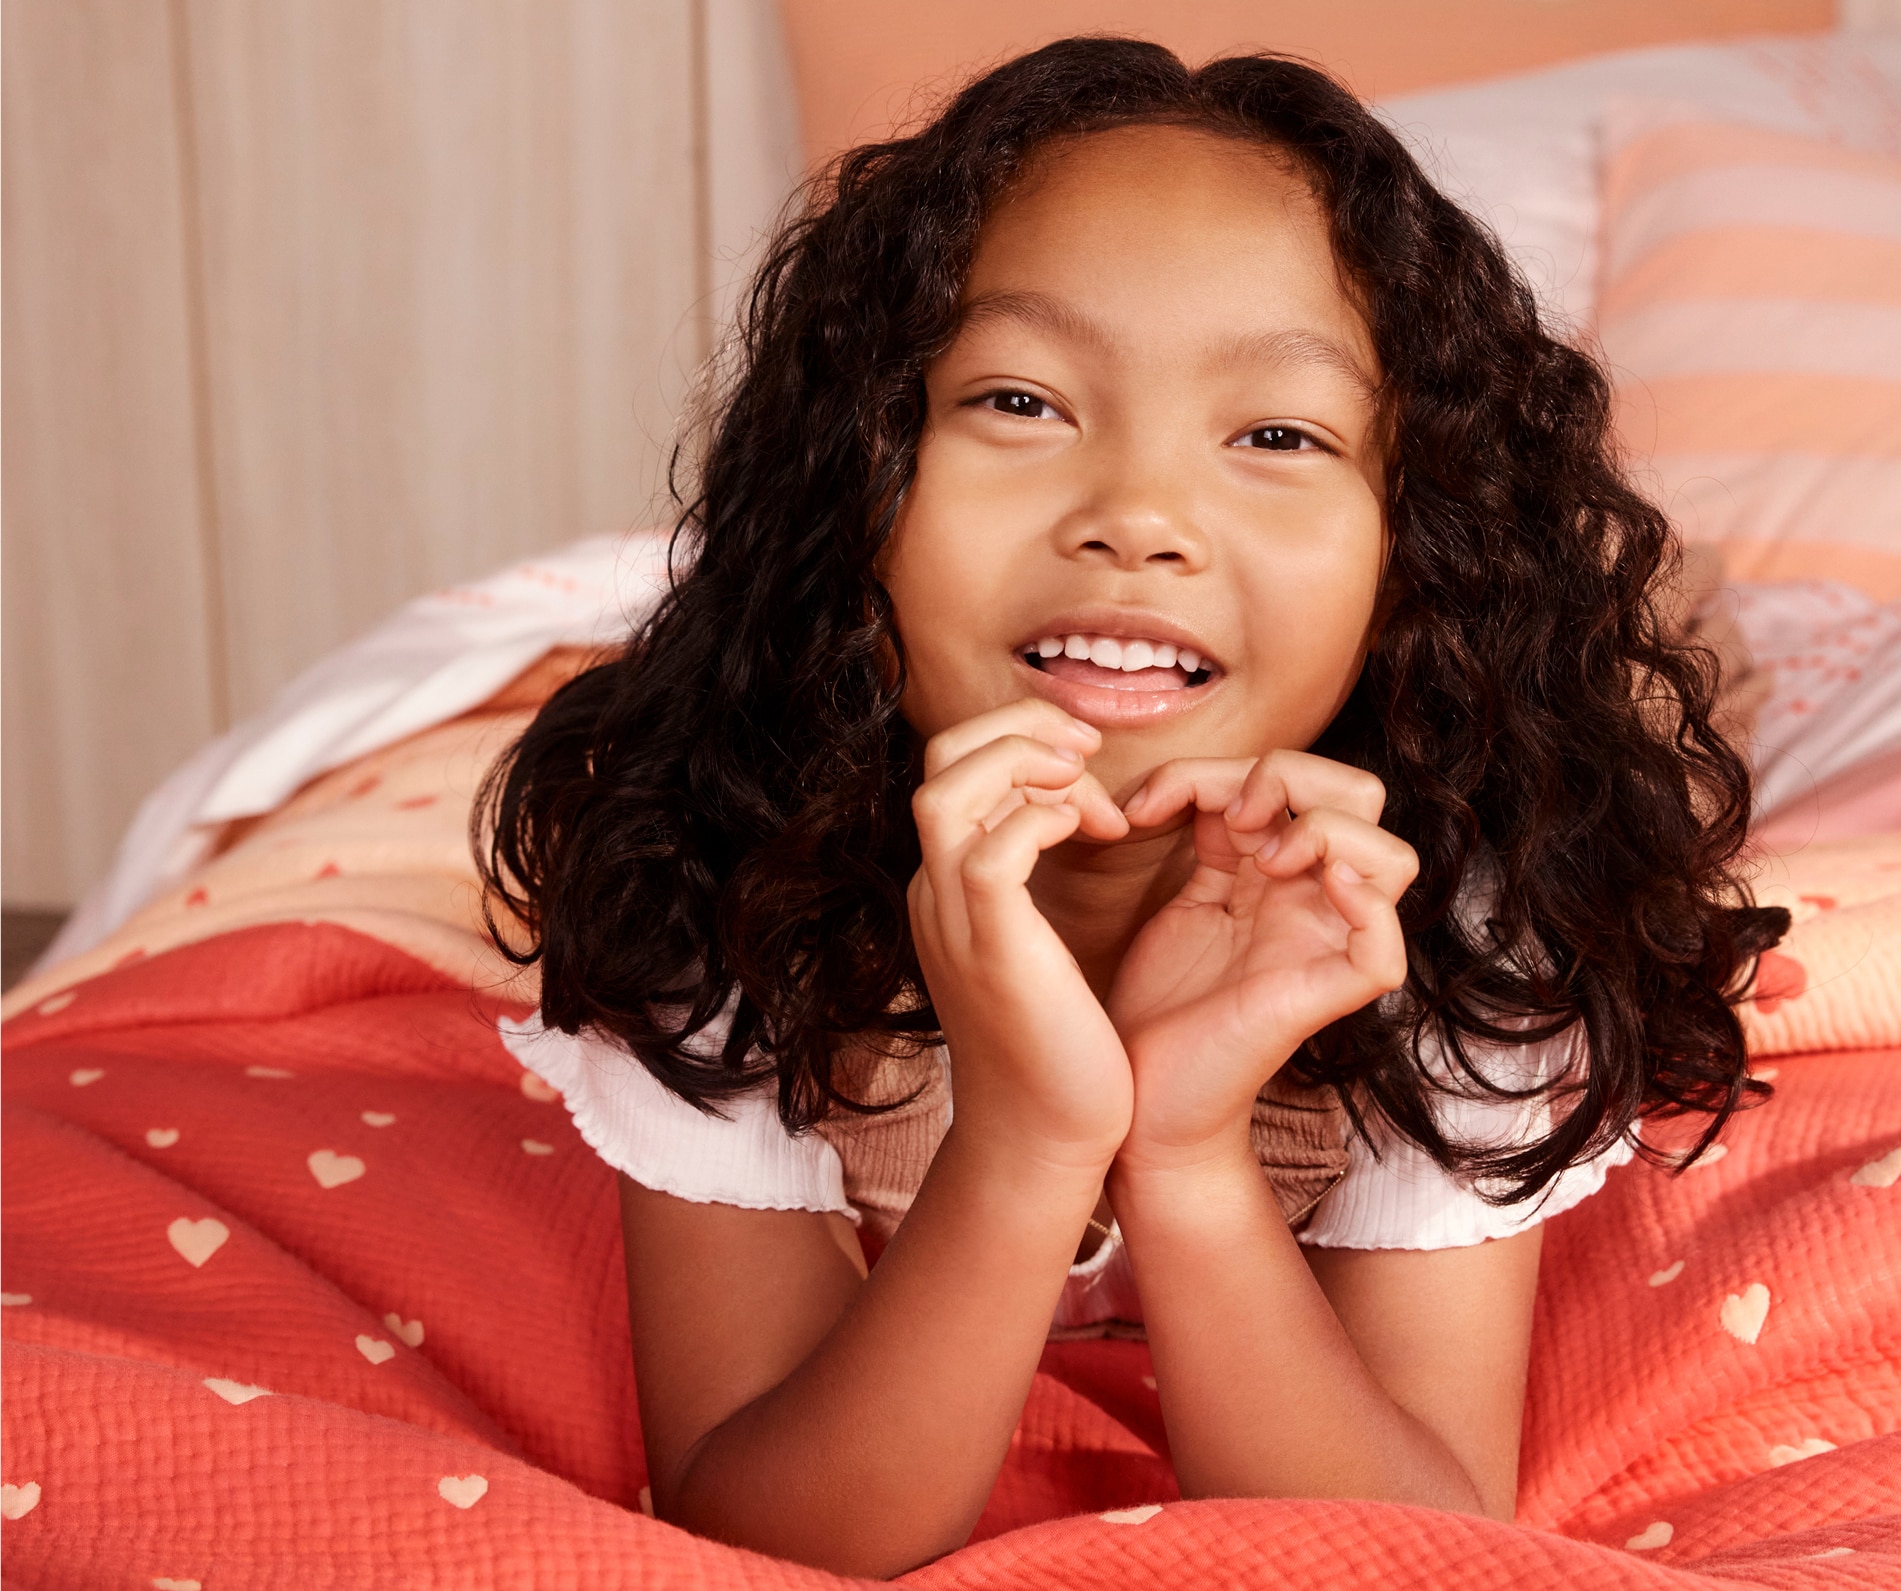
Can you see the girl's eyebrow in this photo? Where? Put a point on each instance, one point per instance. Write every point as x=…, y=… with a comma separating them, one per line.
x=1295, y=346
x=1039, y=312
x=1290, y=346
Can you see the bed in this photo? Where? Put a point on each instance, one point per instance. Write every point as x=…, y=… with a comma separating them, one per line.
x=308, y=1282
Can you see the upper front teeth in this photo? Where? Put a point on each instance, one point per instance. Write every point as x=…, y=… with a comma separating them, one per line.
x=1105, y=651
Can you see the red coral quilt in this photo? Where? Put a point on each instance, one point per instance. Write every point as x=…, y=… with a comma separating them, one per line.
x=308, y=1284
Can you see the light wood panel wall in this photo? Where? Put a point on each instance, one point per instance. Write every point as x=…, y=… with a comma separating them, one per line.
x=314, y=305
x=108, y=674
x=449, y=262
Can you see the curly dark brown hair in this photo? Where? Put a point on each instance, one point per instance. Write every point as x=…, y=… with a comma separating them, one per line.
x=717, y=824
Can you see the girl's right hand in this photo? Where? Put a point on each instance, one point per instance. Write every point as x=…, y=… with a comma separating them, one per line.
x=1037, y=1063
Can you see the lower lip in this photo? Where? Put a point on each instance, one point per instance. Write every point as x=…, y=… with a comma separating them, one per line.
x=1114, y=709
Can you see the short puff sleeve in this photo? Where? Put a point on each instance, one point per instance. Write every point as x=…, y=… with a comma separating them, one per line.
x=743, y=1156
x=1403, y=1199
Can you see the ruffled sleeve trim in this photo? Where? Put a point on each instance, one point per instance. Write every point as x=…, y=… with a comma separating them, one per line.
x=1406, y=1200
x=743, y=1157
x=1403, y=1199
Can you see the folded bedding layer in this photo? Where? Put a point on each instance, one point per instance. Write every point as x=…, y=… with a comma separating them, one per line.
x=308, y=1282
x=381, y=846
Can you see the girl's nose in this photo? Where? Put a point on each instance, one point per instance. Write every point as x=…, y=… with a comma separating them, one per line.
x=1135, y=534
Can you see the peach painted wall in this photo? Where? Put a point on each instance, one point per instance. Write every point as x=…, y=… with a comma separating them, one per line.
x=863, y=66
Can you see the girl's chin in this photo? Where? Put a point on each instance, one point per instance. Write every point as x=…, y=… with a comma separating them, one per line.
x=1108, y=708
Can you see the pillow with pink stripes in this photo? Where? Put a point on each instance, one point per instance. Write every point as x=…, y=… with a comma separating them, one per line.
x=1749, y=307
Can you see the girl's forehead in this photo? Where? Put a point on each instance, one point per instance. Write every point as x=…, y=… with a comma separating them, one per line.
x=1186, y=174
x=1156, y=232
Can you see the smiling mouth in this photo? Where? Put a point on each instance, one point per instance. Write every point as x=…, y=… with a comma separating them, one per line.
x=1119, y=663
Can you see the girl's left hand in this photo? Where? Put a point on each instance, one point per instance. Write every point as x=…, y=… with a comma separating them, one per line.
x=1288, y=922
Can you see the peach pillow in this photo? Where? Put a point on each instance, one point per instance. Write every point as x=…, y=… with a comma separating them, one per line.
x=1749, y=304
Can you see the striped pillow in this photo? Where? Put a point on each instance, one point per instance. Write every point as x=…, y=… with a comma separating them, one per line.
x=1749, y=306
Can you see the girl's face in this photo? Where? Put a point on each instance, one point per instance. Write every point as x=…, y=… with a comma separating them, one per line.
x=1153, y=444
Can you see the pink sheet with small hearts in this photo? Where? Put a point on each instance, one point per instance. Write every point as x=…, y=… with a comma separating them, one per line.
x=308, y=1284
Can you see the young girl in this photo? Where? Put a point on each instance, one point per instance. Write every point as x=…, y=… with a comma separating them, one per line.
x=1161, y=795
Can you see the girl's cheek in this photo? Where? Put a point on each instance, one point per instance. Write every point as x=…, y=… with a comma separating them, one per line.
x=1313, y=622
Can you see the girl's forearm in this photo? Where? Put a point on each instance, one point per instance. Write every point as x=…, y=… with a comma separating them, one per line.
x=1262, y=1391
x=879, y=1451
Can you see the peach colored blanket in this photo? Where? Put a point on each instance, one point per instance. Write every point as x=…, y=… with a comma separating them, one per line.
x=380, y=846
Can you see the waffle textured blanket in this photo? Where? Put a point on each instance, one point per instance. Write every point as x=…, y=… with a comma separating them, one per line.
x=309, y=1284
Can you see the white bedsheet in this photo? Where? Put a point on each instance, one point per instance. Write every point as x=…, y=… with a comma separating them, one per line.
x=432, y=659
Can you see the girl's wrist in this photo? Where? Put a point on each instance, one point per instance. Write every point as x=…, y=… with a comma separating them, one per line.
x=1184, y=1185
x=1069, y=1128
x=1021, y=1166
x=1178, y=1133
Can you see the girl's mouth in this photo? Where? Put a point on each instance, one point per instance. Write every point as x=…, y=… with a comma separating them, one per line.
x=1117, y=663
x=1109, y=680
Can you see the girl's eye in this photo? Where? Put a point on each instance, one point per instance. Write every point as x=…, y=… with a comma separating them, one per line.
x=1024, y=405
x=1277, y=439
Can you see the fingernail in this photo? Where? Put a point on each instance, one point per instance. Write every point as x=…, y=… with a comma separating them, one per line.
x=1346, y=874
x=1233, y=809
x=1068, y=753
x=1268, y=847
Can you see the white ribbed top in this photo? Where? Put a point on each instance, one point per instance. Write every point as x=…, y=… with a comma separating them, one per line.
x=639, y=1126
x=1403, y=1199
x=1397, y=1200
